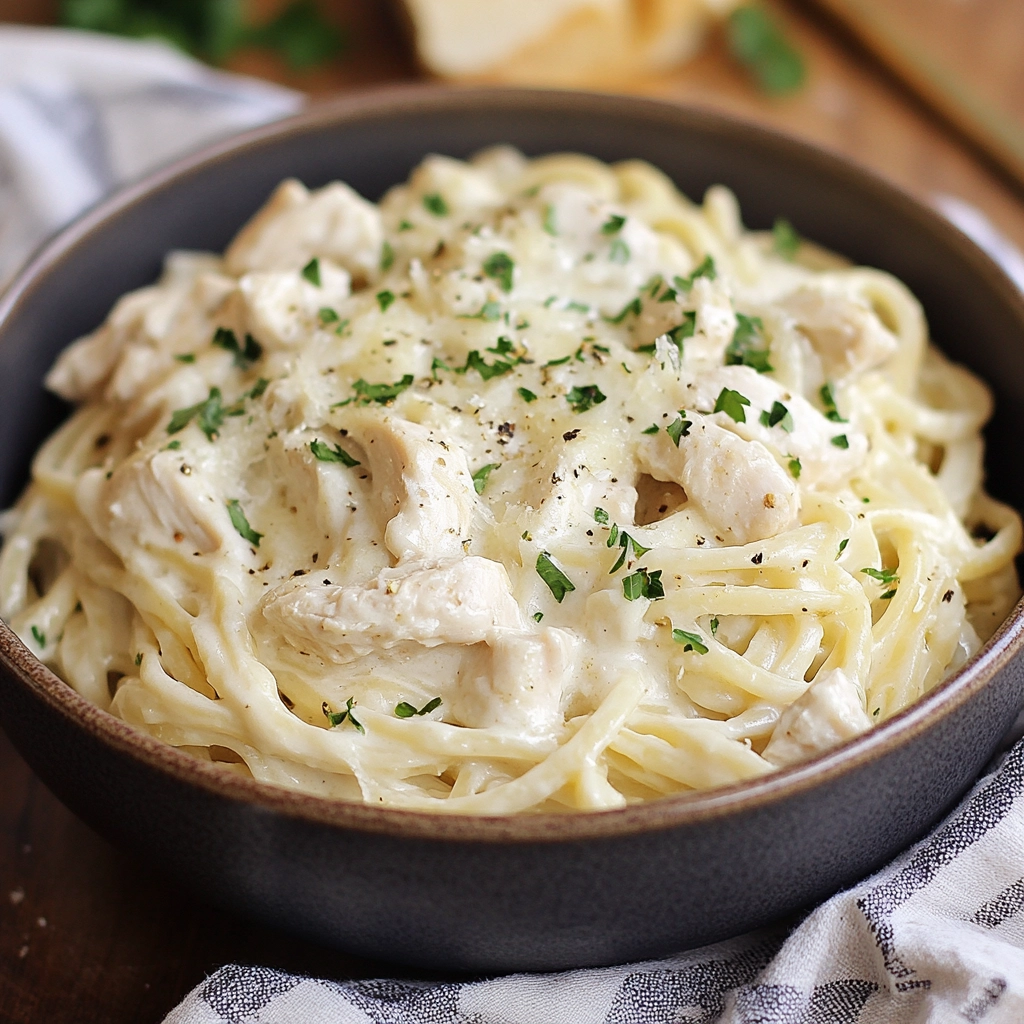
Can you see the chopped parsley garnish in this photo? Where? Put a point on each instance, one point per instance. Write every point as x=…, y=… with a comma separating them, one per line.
x=382, y=393
x=577, y=307
x=537, y=616
x=185, y=357
x=488, y=312
x=742, y=350
x=888, y=595
x=225, y=338
x=438, y=364
x=172, y=446
x=384, y=299
x=210, y=415
x=785, y=240
x=407, y=710
x=387, y=256
x=842, y=547
x=557, y=362
x=526, y=394
x=558, y=583
x=39, y=636
x=883, y=576
x=714, y=626
x=335, y=718
x=625, y=542
x=795, y=468
x=311, y=271
x=433, y=202
x=583, y=398
x=138, y=659
x=706, y=268
x=692, y=641
x=841, y=441
x=613, y=224
x=549, y=220
x=828, y=400
x=499, y=267
x=241, y=524
x=327, y=315
x=619, y=252
x=676, y=429
x=684, y=330
x=652, y=429
x=600, y=516
x=731, y=403
x=779, y=415
x=633, y=306
x=405, y=225
x=643, y=584
x=325, y=453
x=481, y=475
x=475, y=361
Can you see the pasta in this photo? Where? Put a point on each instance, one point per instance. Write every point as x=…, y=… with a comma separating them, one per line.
x=535, y=487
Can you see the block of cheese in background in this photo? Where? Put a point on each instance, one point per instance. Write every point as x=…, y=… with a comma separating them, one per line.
x=557, y=42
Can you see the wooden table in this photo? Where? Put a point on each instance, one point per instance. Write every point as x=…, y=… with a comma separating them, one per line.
x=89, y=935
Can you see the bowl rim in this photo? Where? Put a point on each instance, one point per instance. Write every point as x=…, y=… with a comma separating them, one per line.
x=666, y=813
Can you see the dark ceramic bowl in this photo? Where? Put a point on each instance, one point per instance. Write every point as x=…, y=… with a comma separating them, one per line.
x=510, y=893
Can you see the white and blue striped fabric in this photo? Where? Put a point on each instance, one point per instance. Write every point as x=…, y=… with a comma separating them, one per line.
x=936, y=937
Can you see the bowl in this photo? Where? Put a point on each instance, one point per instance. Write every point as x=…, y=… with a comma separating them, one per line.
x=541, y=891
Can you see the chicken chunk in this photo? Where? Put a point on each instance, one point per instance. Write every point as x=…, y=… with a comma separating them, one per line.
x=461, y=601
x=847, y=336
x=295, y=225
x=149, y=503
x=517, y=682
x=425, y=489
x=738, y=486
x=829, y=713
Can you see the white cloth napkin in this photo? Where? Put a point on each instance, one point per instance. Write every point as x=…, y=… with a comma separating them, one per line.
x=937, y=936
x=81, y=113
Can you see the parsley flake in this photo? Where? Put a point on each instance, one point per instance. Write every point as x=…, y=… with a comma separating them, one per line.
x=387, y=256
x=842, y=547
x=633, y=306
x=382, y=393
x=742, y=350
x=335, y=718
x=731, y=403
x=481, y=475
x=39, y=636
x=311, y=271
x=549, y=220
x=327, y=315
x=433, y=202
x=499, y=267
x=785, y=240
x=643, y=584
x=676, y=429
x=795, y=467
x=652, y=429
x=185, y=357
x=613, y=224
x=757, y=42
x=841, y=441
x=706, y=268
x=488, y=312
x=626, y=541
x=883, y=576
x=779, y=416
x=325, y=453
x=537, y=616
x=225, y=338
x=384, y=299
x=828, y=400
x=692, y=641
x=714, y=626
x=600, y=516
x=583, y=398
x=241, y=524
x=558, y=583
x=619, y=252
x=526, y=394
x=407, y=710
x=210, y=416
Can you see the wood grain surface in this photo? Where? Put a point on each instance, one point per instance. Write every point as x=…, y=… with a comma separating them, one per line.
x=87, y=934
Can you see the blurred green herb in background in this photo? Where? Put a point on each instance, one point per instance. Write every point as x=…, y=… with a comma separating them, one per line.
x=213, y=29
x=757, y=42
